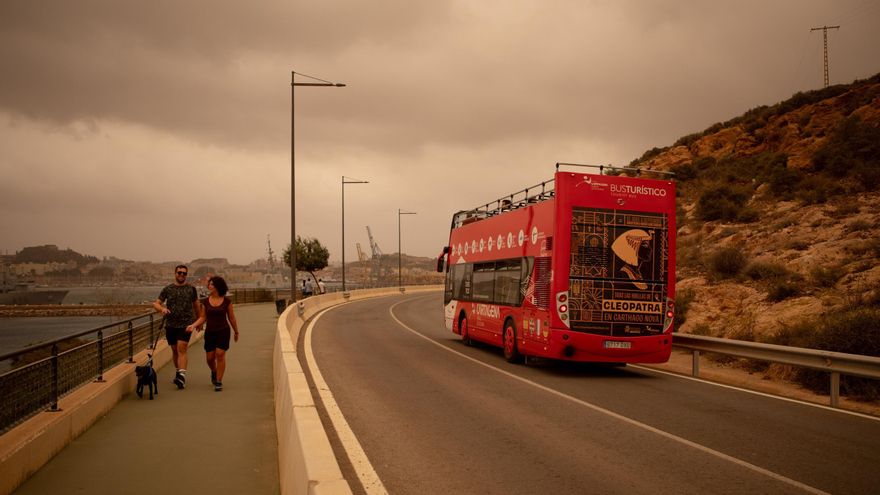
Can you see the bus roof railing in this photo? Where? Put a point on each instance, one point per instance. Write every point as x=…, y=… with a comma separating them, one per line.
x=530, y=195
x=602, y=168
x=534, y=194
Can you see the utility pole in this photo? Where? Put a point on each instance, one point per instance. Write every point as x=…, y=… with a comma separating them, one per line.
x=824, y=30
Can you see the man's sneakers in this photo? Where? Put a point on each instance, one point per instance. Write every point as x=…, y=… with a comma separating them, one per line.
x=180, y=380
x=218, y=387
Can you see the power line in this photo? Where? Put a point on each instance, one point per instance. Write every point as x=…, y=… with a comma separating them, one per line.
x=824, y=30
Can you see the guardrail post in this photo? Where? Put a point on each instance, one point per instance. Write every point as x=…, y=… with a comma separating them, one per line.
x=100, y=356
x=130, y=343
x=695, y=369
x=835, y=389
x=150, y=343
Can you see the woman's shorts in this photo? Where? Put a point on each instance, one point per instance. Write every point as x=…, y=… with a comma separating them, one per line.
x=217, y=339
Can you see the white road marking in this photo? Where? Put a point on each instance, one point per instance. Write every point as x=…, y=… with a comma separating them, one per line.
x=670, y=436
x=755, y=392
x=362, y=466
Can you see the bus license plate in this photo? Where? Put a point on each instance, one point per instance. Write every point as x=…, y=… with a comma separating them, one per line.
x=617, y=344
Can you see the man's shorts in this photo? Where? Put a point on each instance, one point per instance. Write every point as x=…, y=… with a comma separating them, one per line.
x=217, y=339
x=173, y=335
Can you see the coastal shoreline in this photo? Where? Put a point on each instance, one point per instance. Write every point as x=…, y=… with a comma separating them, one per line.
x=17, y=311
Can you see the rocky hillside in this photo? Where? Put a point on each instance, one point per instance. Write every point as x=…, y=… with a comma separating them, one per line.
x=779, y=221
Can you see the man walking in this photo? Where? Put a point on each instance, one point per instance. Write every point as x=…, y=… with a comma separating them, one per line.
x=179, y=303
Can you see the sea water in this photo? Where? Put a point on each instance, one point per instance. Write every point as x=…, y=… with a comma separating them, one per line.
x=17, y=333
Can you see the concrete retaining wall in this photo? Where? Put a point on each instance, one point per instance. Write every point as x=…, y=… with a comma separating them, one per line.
x=306, y=463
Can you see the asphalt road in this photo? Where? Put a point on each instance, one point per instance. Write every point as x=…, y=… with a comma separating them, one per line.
x=435, y=421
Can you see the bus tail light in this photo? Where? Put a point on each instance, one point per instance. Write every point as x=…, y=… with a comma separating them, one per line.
x=669, y=316
x=562, y=308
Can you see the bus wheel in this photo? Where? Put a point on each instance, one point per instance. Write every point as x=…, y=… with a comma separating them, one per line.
x=511, y=354
x=463, y=330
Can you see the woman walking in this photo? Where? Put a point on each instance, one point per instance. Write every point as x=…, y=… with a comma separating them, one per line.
x=216, y=310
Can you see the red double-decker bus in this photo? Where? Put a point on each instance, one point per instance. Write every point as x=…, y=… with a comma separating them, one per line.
x=580, y=267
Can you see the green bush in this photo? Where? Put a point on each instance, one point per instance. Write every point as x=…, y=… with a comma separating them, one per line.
x=721, y=202
x=685, y=172
x=703, y=330
x=748, y=215
x=781, y=290
x=857, y=226
x=726, y=263
x=852, y=331
x=845, y=209
x=797, y=245
x=764, y=270
x=783, y=181
x=826, y=276
x=688, y=140
x=874, y=246
x=683, y=302
x=815, y=189
x=853, y=150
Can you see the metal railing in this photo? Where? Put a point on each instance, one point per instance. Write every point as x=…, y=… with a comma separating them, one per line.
x=245, y=296
x=30, y=388
x=835, y=363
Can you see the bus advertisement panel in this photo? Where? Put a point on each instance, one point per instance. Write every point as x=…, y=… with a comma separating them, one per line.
x=583, y=271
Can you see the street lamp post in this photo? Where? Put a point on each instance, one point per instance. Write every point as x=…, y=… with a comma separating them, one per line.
x=346, y=180
x=399, y=259
x=294, y=84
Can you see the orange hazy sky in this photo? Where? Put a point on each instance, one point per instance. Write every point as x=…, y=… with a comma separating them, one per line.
x=160, y=131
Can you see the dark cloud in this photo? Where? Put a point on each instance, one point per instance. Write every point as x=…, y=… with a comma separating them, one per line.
x=448, y=104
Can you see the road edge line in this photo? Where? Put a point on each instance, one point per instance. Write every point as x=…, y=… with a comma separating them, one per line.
x=360, y=462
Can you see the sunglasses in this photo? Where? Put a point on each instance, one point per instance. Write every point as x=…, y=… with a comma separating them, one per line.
x=182, y=273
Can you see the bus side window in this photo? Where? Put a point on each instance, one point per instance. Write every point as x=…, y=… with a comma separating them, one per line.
x=484, y=282
x=507, y=277
x=461, y=281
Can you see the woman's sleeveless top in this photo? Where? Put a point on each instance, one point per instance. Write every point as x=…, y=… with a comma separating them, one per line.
x=216, y=315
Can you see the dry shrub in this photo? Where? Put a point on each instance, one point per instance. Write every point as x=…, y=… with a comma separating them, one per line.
x=826, y=276
x=851, y=331
x=725, y=263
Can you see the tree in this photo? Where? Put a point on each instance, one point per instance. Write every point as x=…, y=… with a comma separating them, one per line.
x=311, y=256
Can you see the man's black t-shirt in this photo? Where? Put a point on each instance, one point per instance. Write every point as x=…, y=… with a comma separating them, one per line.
x=179, y=300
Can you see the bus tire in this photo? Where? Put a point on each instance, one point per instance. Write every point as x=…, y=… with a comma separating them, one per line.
x=511, y=352
x=463, y=330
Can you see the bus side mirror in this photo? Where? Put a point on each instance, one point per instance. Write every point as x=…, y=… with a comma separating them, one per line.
x=441, y=265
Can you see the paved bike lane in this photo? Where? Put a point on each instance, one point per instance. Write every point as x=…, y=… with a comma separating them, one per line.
x=192, y=441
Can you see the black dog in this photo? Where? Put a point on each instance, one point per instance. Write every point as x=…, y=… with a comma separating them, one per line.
x=146, y=376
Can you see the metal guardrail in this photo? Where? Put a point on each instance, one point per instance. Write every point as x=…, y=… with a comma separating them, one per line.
x=34, y=387
x=835, y=363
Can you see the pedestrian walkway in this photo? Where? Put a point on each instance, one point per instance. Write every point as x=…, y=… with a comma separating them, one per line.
x=192, y=441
